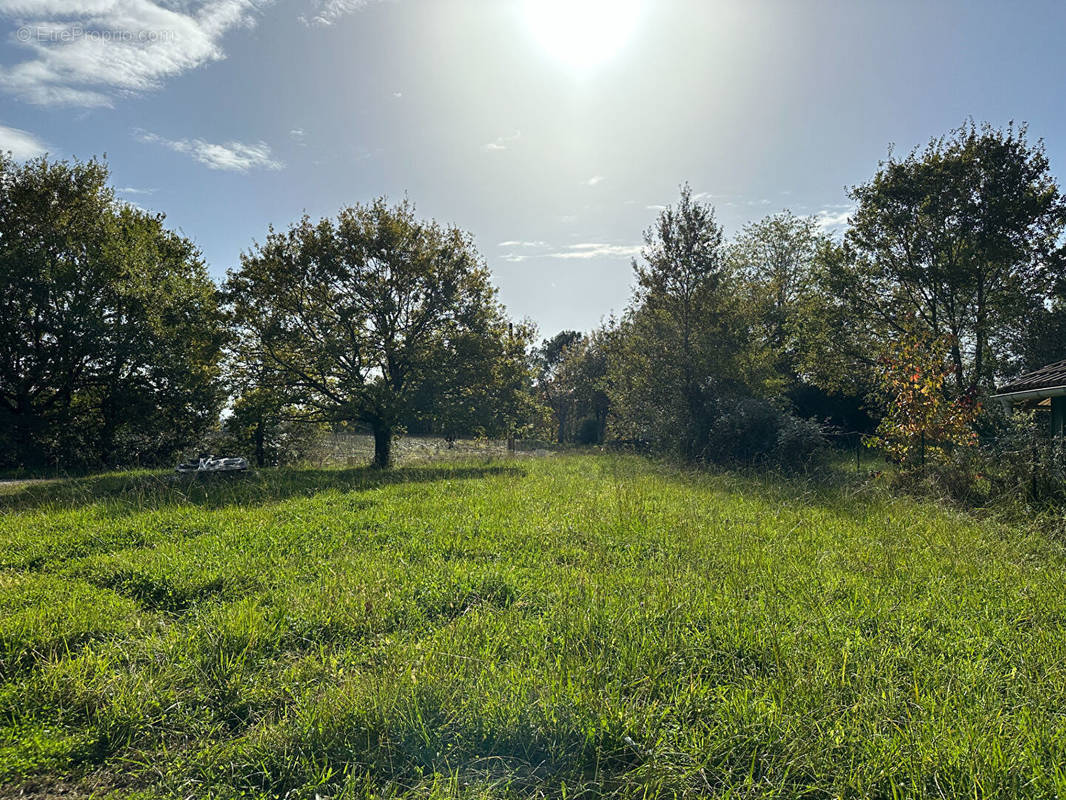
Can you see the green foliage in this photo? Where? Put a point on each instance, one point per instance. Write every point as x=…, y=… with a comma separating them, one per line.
x=963, y=237
x=258, y=424
x=748, y=431
x=377, y=317
x=603, y=626
x=1044, y=341
x=684, y=341
x=572, y=380
x=110, y=338
x=1016, y=471
x=778, y=260
x=588, y=431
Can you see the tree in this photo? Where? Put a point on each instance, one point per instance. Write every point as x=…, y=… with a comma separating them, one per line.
x=777, y=257
x=259, y=404
x=921, y=420
x=963, y=236
x=109, y=341
x=367, y=313
x=1045, y=339
x=482, y=385
x=572, y=379
x=683, y=342
x=157, y=383
x=55, y=219
x=557, y=394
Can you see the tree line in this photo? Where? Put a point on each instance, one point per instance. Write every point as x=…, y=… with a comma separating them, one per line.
x=116, y=347
x=948, y=277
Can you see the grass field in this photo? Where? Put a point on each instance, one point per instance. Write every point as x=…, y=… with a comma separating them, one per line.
x=568, y=626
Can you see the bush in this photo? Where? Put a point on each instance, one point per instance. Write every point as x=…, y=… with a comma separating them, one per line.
x=799, y=442
x=1015, y=464
x=750, y=431
x=588, y=431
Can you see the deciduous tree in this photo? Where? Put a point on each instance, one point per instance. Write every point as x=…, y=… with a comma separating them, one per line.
x=962, y=236
x=685, y=339
x=921, y=420
x=368, y=313
x=110, y=336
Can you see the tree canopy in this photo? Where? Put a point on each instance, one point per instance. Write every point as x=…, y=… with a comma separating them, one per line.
x=110, y=338
x=964, y=236
x=116, y=347
x=376, y=317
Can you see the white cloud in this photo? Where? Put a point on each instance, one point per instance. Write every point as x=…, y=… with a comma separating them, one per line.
x=21, y=144
x=134, y=190
x=831, y=219
x=582, y=251
x=86, y=53
x=597, y=250
x=297, y=134
x=326, y=12
x=516, y=243
x=231, y=156
x=594, y=180
x=503, y=142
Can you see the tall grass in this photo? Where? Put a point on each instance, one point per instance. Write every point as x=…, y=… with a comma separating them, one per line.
x=572, y=626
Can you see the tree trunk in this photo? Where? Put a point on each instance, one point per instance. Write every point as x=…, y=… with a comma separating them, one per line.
x=260, y=450
x=956, y=361
x=980, y=334
x=382, y=446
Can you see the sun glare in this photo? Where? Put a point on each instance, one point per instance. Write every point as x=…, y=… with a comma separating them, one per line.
x=582, y=33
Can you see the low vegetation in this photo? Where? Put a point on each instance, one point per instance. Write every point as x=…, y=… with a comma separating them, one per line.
x=563, y=626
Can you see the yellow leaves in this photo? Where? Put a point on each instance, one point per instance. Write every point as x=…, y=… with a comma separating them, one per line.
x=922, y=420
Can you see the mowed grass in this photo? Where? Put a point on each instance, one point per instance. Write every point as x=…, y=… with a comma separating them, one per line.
x=575, y=626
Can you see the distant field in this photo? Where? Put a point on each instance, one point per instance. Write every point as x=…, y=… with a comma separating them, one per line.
x=568, y=626
x=348, y=449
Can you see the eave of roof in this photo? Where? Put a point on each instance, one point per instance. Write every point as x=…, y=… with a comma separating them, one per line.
x=1049, y=380
x=1031, y=394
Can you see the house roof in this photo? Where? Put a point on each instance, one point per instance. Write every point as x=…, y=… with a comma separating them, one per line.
x=1053, y=376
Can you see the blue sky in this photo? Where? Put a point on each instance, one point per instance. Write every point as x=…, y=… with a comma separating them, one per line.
x=550, y=130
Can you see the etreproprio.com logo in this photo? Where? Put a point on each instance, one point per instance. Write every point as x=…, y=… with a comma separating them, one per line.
x=74, y=33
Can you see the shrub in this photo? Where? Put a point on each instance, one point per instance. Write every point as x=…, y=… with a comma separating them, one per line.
x=751, y=431
x=588, y=431
x=799, y=441
x=1015, y=463
x=921, y=421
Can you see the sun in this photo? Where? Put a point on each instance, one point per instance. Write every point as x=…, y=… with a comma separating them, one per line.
x=582, y=33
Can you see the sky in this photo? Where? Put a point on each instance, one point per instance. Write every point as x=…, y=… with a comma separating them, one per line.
x=552, y=130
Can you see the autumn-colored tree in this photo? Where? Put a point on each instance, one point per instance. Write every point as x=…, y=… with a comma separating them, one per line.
x=921, y=421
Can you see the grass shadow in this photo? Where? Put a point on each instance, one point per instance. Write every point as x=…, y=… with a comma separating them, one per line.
x=142, y=491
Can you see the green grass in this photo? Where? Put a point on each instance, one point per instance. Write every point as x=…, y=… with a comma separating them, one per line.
x=565, y=627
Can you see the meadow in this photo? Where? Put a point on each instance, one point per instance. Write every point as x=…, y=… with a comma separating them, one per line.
x=570, y=626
